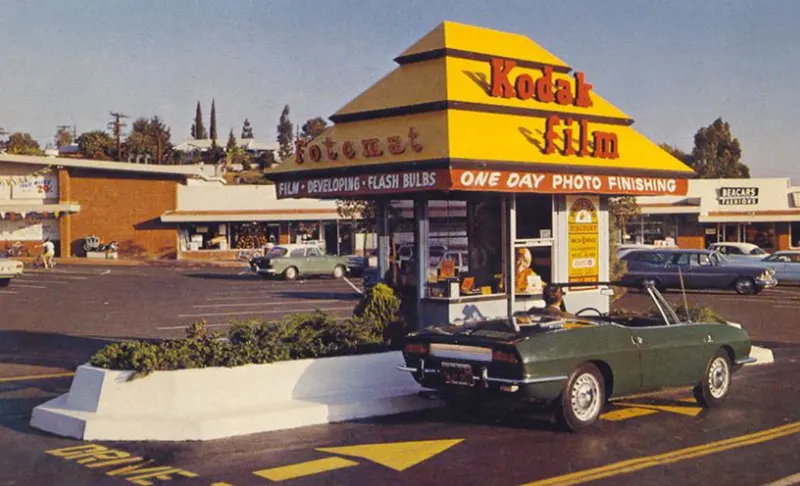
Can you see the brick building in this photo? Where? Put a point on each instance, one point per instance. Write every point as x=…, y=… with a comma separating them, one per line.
x=150, y=210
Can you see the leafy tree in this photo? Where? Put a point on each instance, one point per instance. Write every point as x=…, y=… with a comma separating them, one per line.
x=231, y=145
x=678, y=153
x=96, y=144
x=116, y=126
x=247, y=130
x=717, y=154
x=213, y=126
x=620, y=211
x=150, y=137
x=64, y=136
x=285, y=135
x=313, y=127
x=198, y=129
x=22, y=144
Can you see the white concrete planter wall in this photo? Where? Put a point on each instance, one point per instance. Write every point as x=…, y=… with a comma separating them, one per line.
x=102, y=255
x=210, y=403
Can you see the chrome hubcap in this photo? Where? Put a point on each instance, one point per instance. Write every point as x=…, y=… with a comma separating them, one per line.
x=718, y=378
x=745, y=285
x=585, y=397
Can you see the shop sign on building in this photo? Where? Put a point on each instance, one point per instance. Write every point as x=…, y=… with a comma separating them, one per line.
x=353, y=185
x=546, y=182
x=738, y=196
x=38, y=187
x=584, y=239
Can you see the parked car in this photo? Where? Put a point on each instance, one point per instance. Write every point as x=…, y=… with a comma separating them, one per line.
x=459, y=257
x=9, y=269
x=291, y=261
x=577, y=364
x=786, y=265
x=739, y=251
x=700, y=269
x=405, y=253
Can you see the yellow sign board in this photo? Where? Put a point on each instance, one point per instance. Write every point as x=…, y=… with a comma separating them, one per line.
x=584, y=239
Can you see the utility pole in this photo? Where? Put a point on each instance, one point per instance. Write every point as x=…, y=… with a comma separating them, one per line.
x=116, y=127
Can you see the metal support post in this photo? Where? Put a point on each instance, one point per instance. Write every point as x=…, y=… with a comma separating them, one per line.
x=510, y=233
x=420, y=253
x=382, y=217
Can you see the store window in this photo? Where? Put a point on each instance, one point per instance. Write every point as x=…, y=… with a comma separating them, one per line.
x=794, y=234
x=762, y=235
x=212, y=236
x=652, y=230
x=255, y=235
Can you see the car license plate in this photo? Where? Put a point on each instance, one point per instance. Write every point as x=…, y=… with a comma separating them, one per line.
x=457, y=374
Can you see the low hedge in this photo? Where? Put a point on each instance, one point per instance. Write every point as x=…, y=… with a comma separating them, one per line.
x=295, y=336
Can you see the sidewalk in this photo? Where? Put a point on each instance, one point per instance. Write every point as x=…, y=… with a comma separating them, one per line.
x=143, y=262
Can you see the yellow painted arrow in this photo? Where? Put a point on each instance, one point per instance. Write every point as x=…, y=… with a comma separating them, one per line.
x=398, y=455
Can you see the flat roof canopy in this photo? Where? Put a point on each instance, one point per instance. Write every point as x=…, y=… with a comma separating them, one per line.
x=473, y=109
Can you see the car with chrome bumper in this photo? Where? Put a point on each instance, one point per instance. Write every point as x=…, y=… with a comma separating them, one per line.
x=576, y=364
x=294, y=260
x=696, y=269
x=9, y=269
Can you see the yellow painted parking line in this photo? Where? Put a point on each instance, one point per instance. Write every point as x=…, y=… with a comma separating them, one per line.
x=787, y=481
x=626, y=413
x=36, y=377
x=304, y=468
x=679, y=409
x=639, y=463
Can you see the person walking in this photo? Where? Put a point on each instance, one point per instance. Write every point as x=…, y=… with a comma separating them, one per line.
x=48, y=253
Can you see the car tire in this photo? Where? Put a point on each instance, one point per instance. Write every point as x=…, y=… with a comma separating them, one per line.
x=582, y=399
x=745, y=286
x=5, y=282
x=338, y=271
x=716, y=383
x=290, y=273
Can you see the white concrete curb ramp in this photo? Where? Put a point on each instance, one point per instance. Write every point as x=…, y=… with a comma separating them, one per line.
x=211, y=403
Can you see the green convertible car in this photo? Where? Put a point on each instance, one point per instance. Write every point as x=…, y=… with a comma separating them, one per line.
x=577, y=364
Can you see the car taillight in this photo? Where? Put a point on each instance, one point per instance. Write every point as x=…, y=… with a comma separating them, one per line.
x=504, y=357
x=417, y=348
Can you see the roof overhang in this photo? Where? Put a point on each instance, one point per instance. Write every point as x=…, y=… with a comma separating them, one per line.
x=181, y=170
x=266, y=215
x=780, y=216
x=23, y=210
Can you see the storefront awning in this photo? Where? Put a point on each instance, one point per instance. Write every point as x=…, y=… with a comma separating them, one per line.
x=47, y=210
x=267, y=215
x=473, y=109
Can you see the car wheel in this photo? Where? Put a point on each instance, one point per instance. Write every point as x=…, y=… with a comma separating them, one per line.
x=582, y=399
x=338, y=271
x=716, y=382
x=745, y=286
x=290, y=273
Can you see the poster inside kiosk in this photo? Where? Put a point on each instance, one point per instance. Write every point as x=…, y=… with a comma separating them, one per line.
x=584, y=239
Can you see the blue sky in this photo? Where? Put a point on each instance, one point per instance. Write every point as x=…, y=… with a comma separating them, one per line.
x=673, y=66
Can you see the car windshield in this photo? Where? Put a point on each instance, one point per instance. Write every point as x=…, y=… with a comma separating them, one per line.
x=278, y=251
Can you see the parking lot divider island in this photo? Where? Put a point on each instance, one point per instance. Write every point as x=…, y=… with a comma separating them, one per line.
x=302, y=369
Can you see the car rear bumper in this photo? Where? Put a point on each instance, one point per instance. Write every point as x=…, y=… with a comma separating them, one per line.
x=537, y=389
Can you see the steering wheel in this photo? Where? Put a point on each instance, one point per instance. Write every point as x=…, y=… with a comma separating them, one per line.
x=586, y=309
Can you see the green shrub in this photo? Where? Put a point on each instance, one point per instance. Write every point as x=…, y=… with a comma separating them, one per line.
x=379, y=314
x=295, y=336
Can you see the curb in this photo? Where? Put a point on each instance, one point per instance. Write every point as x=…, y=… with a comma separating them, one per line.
x=762, y=355
x=143, y=263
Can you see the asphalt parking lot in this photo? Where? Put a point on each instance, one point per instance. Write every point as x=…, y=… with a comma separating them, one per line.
x=50, y=322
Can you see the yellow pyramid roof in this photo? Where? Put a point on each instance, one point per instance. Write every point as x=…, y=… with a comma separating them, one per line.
x=468, y=96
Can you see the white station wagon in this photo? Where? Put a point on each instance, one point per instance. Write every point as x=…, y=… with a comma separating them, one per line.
x=8, y=270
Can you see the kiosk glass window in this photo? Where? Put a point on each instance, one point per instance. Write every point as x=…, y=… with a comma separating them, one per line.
x=794, y=234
